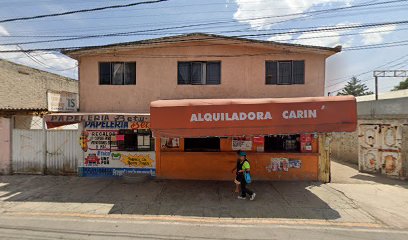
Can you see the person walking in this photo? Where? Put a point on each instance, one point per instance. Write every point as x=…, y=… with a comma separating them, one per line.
x=237, y=181
x=244, y=167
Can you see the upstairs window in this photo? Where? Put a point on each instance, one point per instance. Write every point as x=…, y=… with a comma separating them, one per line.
x=199, y=73
x=117, y=73
x=284, y=72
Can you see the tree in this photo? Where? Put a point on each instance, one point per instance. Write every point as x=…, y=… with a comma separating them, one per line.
x=402, y=85
x=356, y=88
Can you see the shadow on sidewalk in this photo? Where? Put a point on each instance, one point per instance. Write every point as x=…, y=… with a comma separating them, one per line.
x=183, y=198
x=344, y=172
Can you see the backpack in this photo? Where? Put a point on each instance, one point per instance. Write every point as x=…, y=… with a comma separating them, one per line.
x=247, y=175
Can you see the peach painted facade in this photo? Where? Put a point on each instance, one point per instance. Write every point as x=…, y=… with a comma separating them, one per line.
x=242, y=73
x=5, y=145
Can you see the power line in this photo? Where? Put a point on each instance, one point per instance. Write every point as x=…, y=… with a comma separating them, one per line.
x=286, y=15
x=320, y=29
x=81, y=11
x=363, y=73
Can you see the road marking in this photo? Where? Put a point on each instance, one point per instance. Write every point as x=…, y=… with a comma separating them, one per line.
x=205, y=221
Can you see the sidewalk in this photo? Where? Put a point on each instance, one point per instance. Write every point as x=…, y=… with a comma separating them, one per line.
x=348, y=201
x=385, y=199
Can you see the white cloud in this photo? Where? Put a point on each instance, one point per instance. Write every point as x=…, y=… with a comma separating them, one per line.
x=3, y=31
x=261, y=10
x=47, y=61
x=327, y=38
x=376, y=35
x=281, y=38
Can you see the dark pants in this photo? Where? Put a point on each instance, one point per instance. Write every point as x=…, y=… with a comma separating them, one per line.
x=244, y=189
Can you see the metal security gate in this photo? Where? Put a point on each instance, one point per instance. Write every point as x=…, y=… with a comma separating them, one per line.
x=380, y=149
x=53, y=152
x=28, y=151
x=63, y=150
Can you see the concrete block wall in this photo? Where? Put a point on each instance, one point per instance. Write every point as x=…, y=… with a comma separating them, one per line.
x=344, y=147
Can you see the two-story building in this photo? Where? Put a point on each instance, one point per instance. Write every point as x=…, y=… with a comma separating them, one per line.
x=121, y=83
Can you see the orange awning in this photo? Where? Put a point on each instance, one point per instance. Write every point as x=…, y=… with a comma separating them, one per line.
x=264, y=116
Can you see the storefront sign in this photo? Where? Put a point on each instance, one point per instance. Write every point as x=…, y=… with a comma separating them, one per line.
x=101, y=150
x=239, y=117
x=101, y=140
x=113, y=172
x=62, y=101
x=92, y=118
x=241, y=143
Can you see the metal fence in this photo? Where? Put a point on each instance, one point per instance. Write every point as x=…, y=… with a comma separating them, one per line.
x=45, y=151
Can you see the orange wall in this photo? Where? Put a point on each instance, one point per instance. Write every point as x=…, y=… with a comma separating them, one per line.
x=218, y=166
x=241, y=77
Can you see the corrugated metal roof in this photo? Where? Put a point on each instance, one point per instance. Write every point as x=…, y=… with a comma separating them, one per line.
x=200, y=37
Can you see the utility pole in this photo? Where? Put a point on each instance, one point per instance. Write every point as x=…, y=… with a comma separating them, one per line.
x=387, y=73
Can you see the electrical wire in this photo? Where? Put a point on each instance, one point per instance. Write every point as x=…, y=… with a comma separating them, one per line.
x=81, y=11
x=320, y=29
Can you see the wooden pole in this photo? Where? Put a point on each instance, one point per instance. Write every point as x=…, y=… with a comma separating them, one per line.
x=324, y=158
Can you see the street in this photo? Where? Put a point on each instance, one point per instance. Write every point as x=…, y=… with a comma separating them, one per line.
x=23, y=227
x=353, y=206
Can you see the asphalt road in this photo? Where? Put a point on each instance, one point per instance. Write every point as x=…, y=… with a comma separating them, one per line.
x=54, y=227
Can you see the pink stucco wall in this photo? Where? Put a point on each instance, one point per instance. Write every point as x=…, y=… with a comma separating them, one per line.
x=242, y=76
x=5, y=145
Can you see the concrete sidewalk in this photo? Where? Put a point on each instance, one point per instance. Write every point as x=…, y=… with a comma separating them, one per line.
x=341, y=202
x=385, y=199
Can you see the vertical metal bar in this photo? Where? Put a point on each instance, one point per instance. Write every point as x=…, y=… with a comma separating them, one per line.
x=44, y=146
x=376, y=88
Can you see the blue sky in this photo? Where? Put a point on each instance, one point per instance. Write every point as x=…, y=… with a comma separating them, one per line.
x=237, y=17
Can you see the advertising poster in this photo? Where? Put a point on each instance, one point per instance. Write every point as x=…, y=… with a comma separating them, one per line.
x=102, y=157
x=278, y=165
x=170, y=143
x=295, y=163
x=241, y=143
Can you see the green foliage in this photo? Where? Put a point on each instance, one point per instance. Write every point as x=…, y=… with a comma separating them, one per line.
x=355, y=87
x=402, y=85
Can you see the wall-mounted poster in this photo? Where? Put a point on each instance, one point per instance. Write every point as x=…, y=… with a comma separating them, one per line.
x=295, y=163
x=170, y=143
x=241, y=143
x=278, y=164
x=259, y=143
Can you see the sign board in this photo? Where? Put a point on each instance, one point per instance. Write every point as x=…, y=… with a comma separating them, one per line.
x=62, y=102
x=252, y=117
